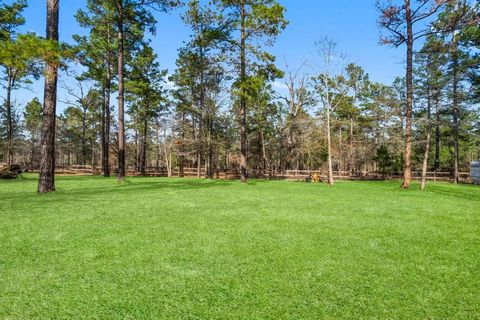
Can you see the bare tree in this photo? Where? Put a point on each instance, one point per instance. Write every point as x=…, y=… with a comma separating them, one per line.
x=297, y=100
x=331, y=89
x=82, y=100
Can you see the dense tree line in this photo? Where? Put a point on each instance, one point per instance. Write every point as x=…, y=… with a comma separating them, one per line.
x=229, y=105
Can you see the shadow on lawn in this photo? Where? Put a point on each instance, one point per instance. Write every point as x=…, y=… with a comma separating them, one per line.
x=109, y=187
x=149, y=184
x=466, y=192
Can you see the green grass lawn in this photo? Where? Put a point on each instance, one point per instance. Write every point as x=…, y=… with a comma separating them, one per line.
x=156, y=248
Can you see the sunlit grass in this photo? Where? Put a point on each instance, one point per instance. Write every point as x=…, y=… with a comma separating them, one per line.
x=189, y=249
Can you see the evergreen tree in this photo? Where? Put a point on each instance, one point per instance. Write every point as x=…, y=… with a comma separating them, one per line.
x=198, y=76
x=431, y=82
x=405, y=24
x=46, y=180
x=19, y=61
x=145, y=95
x=253, y=24
x=457, y=19
x=97, y=52
x=132, y=18
x=33, y=123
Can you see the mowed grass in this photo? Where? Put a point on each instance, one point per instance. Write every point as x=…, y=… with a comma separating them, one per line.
x=156, y=248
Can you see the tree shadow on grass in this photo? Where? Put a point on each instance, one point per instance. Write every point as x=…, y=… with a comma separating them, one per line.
x=464, y=192
x=146, y=185
x=110, y=187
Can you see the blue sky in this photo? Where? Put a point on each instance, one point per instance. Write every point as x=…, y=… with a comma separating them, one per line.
x=352, y=23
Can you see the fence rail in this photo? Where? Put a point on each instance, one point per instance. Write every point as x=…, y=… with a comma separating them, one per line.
x=293, y=175
x=298, y=175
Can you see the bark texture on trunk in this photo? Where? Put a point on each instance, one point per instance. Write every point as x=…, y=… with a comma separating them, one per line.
x=329, y=150
x=243, y=98
x=209, y=148
x=352, y=149
x=407, y=166
x=427, y=145
x=46, y=180
x=121, y=98
x=8, y=106
x=437, y=136
x=143, y=156
x=456, y=113
x=106, y=123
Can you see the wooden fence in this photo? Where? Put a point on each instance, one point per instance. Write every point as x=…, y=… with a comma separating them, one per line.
x=300, y=175
x=293, y=175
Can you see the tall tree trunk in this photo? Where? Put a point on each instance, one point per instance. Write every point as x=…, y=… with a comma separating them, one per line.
x=157, y=133
x=352, y=155
x=210, y=147
x=8, y=105
x=106, y=123
x=243, y=98
x=84, y=136
x=92, y=145
x=427, y=145
x=137, y=153
x=121, y=98
x=329, y=150
x=196, y=137
x=201, y=113
x=168, y=158
x=456, y=112
x=181, y=160
x=407, y=166
x=199, y=148
x=143, y=162
x=264, y=153
x=46, y=180
x=437, y=135
x=103, y=128
x=32, y=150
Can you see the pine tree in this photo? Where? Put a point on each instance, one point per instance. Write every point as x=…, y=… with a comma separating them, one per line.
x=145, y=95
x=431, y=82
x=199, y=74
x=19, y=60
x=46, y=180
x=403, y=24
x=457, y=19
x=136, y=17
x=97, y=52
x=33, y=123
x=252, y=23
